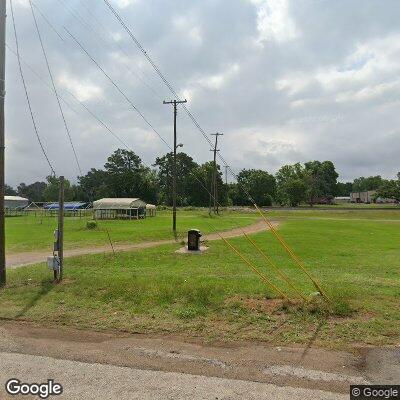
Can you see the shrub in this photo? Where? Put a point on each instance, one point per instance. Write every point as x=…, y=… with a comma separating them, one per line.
x=91, y=225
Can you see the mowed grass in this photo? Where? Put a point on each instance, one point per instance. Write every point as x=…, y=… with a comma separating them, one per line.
x=215, y=296
x=28, y=233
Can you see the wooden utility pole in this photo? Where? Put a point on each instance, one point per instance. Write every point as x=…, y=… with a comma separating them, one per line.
x=226, y=174
x=175, y=103
x=2, y=140
x=214, y=178
x=60, y=230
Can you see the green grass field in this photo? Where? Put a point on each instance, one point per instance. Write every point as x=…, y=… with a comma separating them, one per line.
x=215, y=296
x=35, y=233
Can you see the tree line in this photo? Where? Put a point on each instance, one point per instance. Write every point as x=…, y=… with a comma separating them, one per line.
x=125, y=175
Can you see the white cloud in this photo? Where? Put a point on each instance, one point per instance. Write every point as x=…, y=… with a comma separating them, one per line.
x=373, y=67
x=124, y=3
x=83, y=90
x=274, y=22
x=186, y=25
x=217, y=81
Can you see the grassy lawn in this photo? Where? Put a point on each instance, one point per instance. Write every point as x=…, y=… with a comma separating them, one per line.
x=215, y=296
x=35, y=233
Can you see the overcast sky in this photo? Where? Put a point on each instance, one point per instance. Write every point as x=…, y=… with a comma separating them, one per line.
x=284, y=81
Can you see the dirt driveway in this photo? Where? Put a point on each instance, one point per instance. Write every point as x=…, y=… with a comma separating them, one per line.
x=34, y=257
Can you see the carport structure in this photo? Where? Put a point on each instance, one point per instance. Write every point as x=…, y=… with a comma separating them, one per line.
x=119, y=208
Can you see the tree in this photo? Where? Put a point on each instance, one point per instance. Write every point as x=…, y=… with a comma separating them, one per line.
x=34, y=191
x=363, y=184
x=202, y=183
x=51, y=192
x=291, y=187
x=390, y=189
x=185, y=185
x=259, y=184
x=128, y=177
x=94, y=185
x=9, y=191
x=343, y=189
x=320, y=180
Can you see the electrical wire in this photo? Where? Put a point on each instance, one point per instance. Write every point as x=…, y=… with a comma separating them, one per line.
x=26, y=91
x=118, y=88
x=54, y=88
x=290, y=252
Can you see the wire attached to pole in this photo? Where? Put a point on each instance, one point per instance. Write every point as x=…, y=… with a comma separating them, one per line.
x=35, y=128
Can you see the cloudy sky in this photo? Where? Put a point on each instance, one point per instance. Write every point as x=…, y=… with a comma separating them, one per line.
x=284, y=81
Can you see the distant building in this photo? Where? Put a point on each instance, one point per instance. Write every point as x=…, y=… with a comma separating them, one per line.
x=119, y=208
x=15, y=202
x=342, y=199
x=363, y=197
x=151, y=210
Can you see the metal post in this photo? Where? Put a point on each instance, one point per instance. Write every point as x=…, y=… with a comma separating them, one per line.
x=175, y=103
x=61, y=227
x=2, y=141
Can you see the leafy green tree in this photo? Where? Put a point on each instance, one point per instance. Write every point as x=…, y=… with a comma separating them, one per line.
x=363, y=184
x=291, y=187
x=344, y=189
x=51, y=192
x=93, y=185
x=34, y=191
x=203, y=183
x=128, y=177
x=320, y=179
x=258, y=183
x=185, y=182
x=390, y=189
x=9, y=190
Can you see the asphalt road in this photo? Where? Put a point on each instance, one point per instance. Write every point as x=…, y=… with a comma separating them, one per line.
x=97, y=381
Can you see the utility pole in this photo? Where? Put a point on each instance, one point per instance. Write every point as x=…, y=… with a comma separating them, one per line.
x=60, y=230
x=175, y=103
x=214, y=178
x=226, y=174
x=2, y=141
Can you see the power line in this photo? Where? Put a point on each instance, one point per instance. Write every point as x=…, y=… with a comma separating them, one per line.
x=47, y=21
x=100, y=121
x=196, y=123
x=118, y=88
x=54, y=88
x=98, y=35
x=26, y=91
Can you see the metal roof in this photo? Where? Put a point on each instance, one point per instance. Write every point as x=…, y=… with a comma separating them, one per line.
x=67, y=206
x=15, y=198
x=116, y=203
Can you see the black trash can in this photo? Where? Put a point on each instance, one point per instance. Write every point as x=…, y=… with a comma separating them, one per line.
x=194, y=236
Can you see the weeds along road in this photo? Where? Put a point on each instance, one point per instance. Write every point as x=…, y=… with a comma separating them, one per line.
x=34, y=257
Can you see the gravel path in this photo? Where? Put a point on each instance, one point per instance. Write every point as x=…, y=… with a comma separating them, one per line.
x=34, y=257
